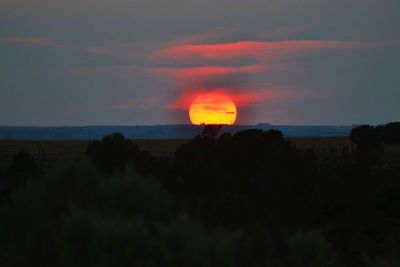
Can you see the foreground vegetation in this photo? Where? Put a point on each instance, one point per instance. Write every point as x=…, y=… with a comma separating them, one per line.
x=251, y=199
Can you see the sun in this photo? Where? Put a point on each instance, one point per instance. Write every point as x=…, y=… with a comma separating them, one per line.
x=212, y=108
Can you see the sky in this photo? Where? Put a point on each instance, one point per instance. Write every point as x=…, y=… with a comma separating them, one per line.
x=142, y=62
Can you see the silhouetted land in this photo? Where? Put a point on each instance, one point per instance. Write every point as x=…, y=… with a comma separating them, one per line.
x=253, y=198
x=47, y=152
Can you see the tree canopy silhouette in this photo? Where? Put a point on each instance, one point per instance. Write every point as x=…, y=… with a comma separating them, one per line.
x=365, y=135
x=369, y=149
x=391, y=133
x=112, y=153
x=23, y=164
x=242, y=173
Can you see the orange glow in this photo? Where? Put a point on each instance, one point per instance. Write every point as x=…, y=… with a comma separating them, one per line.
x=212, y=108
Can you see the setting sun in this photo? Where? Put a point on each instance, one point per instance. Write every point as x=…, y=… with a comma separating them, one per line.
x=212, y=108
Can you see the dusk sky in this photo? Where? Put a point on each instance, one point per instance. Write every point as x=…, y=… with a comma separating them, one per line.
x=97, y=62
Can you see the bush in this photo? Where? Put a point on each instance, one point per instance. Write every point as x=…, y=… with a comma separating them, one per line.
x=369, y=149
x=112, y=153
x=365, y=135
x=309, y=249
x=75, y=216
x=251, y=175
x=391, y=133
x=382, y=262
x=23, y=167
x=23, y=163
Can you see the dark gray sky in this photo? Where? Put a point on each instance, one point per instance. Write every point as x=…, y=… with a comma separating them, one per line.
x=98, y=62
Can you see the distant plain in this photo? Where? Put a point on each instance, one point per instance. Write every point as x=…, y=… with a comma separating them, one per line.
x=47, y=152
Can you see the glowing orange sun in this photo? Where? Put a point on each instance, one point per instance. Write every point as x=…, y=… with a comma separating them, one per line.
x=212, y=108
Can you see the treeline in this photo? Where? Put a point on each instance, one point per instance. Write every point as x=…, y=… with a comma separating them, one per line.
x=248, y=199
x=370, y=141
x=389, y=134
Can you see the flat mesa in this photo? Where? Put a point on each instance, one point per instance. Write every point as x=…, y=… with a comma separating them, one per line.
x=212, y=108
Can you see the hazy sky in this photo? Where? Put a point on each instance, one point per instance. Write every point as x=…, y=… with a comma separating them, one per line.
x=120, y=62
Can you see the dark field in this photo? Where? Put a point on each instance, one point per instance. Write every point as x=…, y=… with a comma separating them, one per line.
x=46, y=152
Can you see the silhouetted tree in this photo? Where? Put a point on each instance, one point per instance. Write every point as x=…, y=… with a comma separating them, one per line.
x=211, y=130
x=365, y=134
x=369, y=149
x=23, y=164
x=75, y=216
x=391, y=133
x=242, y=174
x=112, y=153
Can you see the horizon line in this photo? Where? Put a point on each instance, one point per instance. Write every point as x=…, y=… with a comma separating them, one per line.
x=155, y=125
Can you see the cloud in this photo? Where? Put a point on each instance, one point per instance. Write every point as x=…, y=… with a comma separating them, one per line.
x=285, y=32
x=211, y=77
x=98, y=50
x=147, y=102
x=115, y=72
x=242, y=98
x=194, y=68
x=45, y=42
x=188, y=53
x=197, y=38
x=206, y=62
x=39, y=41
x=190, y=72
x=211, y=37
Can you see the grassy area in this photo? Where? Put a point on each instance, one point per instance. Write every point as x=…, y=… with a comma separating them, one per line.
x=330, y=147
x=45, y=152
x=322, y=142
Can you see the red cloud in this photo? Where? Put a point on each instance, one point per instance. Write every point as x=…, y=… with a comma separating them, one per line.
x=195, y=80
x=194, y=67
x=208, y=77
x=263, y=51
x=192, y=72
x=242, y=99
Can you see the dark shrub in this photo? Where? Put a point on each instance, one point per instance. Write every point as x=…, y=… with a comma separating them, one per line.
x=310, y=249
x=112, y=153
x=369, y=149
x=75, y=216
x=391, y=133
x=365, y=135
x=23, y=164
x=234, y=179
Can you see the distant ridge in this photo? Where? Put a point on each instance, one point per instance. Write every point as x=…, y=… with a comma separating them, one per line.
x=157, y=131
